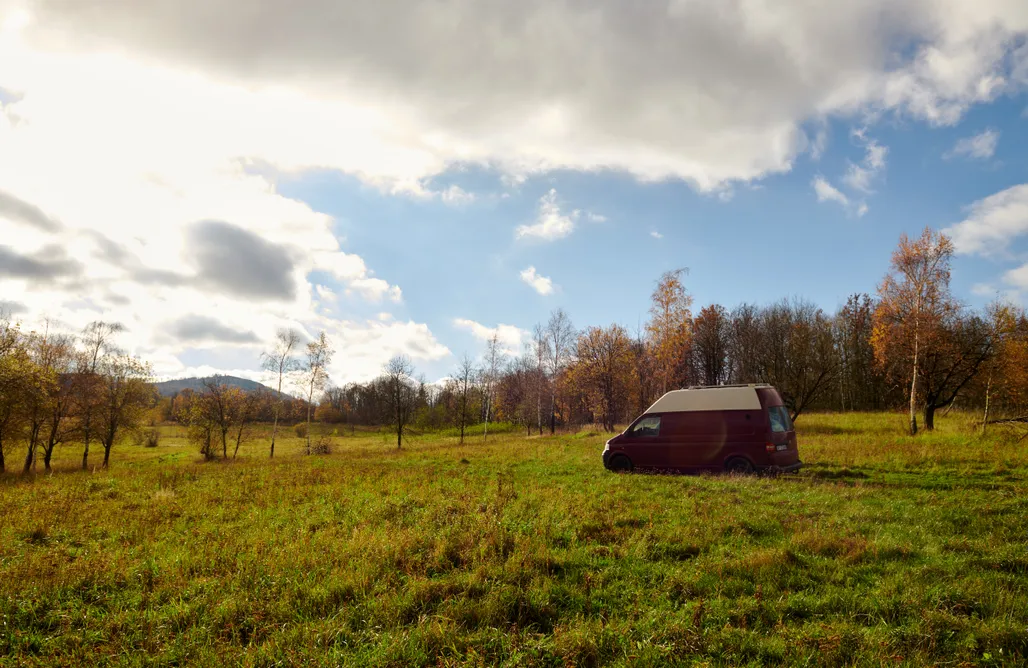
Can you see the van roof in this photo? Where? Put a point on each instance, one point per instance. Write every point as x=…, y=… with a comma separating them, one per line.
x=709, y=398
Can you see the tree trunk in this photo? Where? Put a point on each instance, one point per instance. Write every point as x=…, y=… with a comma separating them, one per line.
x=29, y=456
x=985, y=418
x=929, y=416
x=310, y=398
x=85, y=447
x=553, y=414
x=278, y=408
x=913, y=392
x=2, y=468
x=47, y=454
x=107, y=455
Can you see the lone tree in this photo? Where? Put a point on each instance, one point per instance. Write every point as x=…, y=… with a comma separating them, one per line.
x=401, y=395
x=315, y=374
x=491, y=365
x=282, y=361
x=914, y=303
x=560, y=340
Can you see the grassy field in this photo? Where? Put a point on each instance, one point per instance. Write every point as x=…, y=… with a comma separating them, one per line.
x=886, y=549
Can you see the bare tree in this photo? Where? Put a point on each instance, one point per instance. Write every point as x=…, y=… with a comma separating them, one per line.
x=97, y=342
x=402, y=395
x=282, y=361
x=315, y=374
x=463, y=385
x=243, y=410
x=59, y=397
x=541, y=348
x=490, y=374
x=560, y=337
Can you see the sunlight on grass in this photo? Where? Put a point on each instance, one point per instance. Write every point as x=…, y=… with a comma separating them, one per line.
x=522, y=551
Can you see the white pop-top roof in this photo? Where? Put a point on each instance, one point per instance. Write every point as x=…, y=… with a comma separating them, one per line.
x=728, y=398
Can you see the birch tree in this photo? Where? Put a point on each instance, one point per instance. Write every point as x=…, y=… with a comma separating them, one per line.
x=914, y=301
x=282, y=361
x=560, y=339
x=315, y=374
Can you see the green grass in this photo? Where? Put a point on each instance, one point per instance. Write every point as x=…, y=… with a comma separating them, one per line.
x=522, y=551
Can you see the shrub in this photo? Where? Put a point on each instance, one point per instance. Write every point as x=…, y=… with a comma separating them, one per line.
x=321, y=446
x=300, y=430
x=151, y=438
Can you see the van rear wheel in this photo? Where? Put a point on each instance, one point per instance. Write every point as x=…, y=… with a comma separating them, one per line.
x=620, y=464
x=738, y=465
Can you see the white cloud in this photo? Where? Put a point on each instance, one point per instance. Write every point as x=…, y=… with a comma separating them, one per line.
x=510, y=337
x=1018, y=277
x=541, y=284
x=550, y=223
x=826, y=192
x=596, y=217
x=979, y=147
x=325, y=294
x=456, y=195
x=656, y=235
x=860, y=176
x=992, y=223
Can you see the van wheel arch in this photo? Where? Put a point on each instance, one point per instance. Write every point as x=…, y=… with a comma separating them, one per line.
x=621, y=464
x=739, y=464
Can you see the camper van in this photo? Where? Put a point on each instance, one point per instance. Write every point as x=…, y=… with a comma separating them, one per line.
x=739, y=428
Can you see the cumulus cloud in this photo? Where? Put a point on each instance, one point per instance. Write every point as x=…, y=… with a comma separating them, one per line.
x=656, y=235
x=978, y=147
x=45, y=266
x=702, y=91
x=550, y=224
x=541, y=284
x=992, y=223
x=239, y=262
x=1018, y=277
x=509, y=337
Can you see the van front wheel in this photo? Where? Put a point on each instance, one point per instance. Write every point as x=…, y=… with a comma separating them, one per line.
x=738, y=465
x=620, y=464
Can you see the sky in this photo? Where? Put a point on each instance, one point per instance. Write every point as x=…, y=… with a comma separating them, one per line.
x=413, y=176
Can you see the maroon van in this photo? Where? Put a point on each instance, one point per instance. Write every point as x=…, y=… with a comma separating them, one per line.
x=739, y=428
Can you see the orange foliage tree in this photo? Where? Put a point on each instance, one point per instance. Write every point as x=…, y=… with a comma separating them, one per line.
x=914, y=302
x=669, y=328
x=604, y=372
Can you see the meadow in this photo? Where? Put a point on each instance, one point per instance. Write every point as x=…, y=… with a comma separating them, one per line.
x=885, y=549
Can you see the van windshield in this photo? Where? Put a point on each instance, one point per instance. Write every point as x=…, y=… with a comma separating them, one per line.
x=646, y=427
x=779, y=416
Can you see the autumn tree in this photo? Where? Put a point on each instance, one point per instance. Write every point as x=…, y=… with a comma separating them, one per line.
x=60, y=395
x=315, y=374
x=914, y=301
x=281, y=360
x=125, y=394
x=603, y=370
x=541, y=350
x=560, y=344
x=669, y=328
x=962, y=347
x=20, y=379
x=97, y=342
x=711, y=338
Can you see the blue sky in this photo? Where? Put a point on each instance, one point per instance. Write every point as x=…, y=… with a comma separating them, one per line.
x=412, y=176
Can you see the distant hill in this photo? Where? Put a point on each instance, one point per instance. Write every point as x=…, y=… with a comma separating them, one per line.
x=170, y=387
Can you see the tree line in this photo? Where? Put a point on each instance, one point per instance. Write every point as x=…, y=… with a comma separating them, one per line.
x=909, y=345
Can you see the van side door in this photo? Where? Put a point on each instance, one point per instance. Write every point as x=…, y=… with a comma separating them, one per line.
x=644, y=443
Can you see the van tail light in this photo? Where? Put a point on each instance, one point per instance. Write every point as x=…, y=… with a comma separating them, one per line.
x=770, y=447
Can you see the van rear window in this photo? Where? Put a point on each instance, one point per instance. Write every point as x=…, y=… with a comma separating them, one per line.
x=779, y=416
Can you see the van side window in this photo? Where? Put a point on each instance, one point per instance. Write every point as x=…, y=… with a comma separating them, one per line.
x=779, y=416
x=646, y=427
